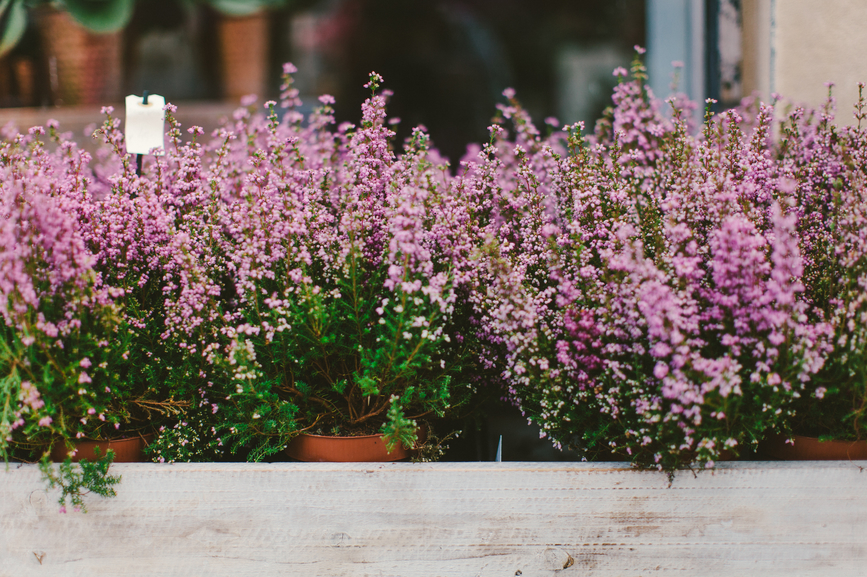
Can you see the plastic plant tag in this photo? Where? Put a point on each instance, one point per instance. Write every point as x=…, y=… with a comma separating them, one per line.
x=144, y=128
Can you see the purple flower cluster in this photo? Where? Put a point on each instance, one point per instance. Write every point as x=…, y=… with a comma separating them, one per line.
x=57, y=318
x=344, y=261
x=668, y=296
x=644, y=290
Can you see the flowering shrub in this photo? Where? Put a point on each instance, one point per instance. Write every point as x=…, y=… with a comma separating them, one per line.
x=94, y=314
x=344, y=316
x=59, y=325
x=648, y=285
x=283, y=277
x=824, y=167
x=286, y=277
x=644, y=291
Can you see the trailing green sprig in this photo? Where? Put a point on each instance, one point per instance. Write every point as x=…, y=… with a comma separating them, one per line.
x=76, y=480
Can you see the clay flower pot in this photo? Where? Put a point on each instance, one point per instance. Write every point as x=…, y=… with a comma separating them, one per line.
x=811, y=449
x=326, y=449
x=126, y=450
x=244, y=54
x=85, y=67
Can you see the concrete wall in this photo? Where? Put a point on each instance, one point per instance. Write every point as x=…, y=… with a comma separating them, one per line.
x=793, y=47
x=675, y=32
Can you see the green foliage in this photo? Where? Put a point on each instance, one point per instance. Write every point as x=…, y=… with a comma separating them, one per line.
x=433, y=447
x=244, y=7
x=42, y=395
x=398, y=429
x=339, y=368
x=76, y=481
x=188, y=440
x=13, y=23
x=101, y=16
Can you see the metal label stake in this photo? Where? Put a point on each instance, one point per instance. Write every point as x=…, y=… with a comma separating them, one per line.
x=140, y=157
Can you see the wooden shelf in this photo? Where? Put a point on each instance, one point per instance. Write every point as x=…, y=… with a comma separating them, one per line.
x=80, y=120
x=461, y=519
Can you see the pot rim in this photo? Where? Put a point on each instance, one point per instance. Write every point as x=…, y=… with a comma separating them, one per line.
x=376, y=436
x=138, y=436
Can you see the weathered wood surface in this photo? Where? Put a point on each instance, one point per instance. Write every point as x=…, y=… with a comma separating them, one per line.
x=461, y=519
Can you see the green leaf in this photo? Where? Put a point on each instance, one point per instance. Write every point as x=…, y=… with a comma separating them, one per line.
x=339, y=386
x=77, y=481
x=303, y=388
x=398, y=429
x=101, y=16
x=243, y=7
x=13, y=23
x=367, y=385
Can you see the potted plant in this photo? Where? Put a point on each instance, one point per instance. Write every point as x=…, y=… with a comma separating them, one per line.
x=81, y=39
x=338, y=264
x=101, y=16
x=823, y=168
x=150, y=239
x=243, y=32
x=649, y=292
x=61, y=329
x=135, y=241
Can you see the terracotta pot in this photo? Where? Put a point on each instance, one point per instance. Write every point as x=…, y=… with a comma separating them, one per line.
x=325, y=449
x=126, y=450
x=811, y=449
x=244, y=54
x=84, y=67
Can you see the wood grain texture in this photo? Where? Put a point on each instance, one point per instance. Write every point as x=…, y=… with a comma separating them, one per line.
x=444, y=519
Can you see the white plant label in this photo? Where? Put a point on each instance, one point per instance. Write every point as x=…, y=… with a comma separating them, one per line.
x=145, y=125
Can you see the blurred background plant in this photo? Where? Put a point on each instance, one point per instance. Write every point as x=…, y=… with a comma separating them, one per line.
x=447, y=60
x=101, y=16
x=81, y=42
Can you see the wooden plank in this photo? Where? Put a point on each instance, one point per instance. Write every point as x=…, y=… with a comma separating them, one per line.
x=461, y=519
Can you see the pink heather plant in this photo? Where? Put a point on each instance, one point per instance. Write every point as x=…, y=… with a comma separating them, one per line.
x=824, y=168
x=343, y=261
x=59, y=345
x=646, y=294
x=642, y=291
x=284, y=276
x=138, y=302
x=335, y=268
